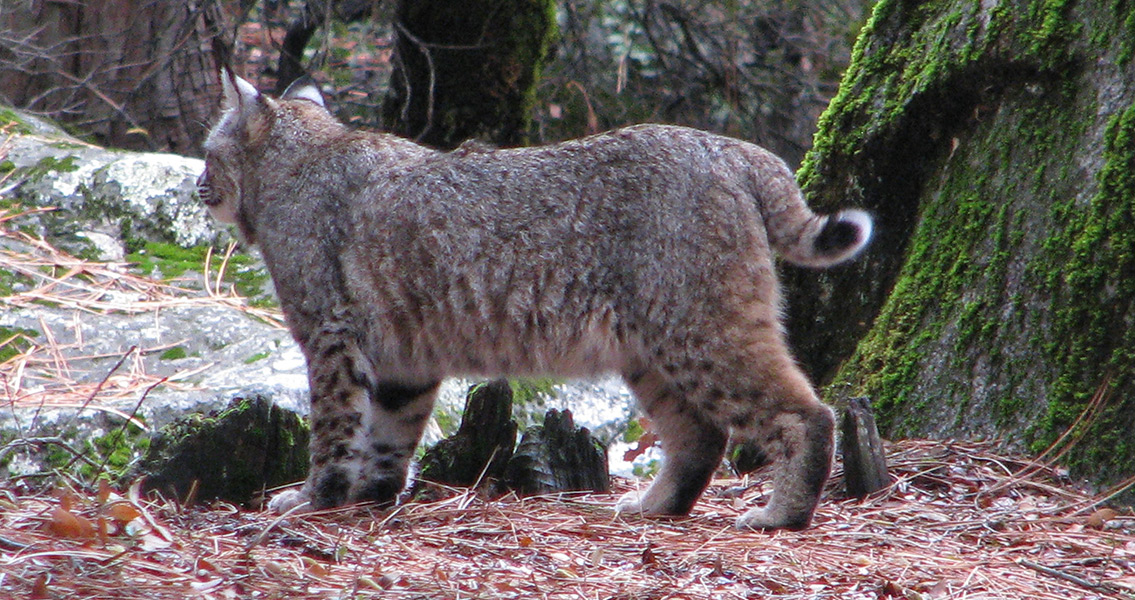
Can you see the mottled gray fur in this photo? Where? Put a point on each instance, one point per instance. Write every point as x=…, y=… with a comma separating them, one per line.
x=645, y=251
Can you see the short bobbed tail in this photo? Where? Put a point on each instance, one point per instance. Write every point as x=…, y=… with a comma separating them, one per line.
x=827, y=240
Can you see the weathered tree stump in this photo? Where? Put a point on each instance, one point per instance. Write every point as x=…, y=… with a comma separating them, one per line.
x=864, y=463
x=483, y=444
x=228, y=455
x=558, y=457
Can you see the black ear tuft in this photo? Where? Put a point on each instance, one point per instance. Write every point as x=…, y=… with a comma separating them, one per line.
x=304, y=88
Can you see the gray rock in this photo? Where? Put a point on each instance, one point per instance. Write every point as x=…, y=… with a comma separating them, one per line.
x=104, y=194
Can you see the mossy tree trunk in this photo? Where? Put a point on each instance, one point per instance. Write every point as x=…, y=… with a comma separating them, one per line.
x=467, y=69
x=995, y=143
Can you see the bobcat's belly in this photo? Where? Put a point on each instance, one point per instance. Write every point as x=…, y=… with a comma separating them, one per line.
x=582, y=346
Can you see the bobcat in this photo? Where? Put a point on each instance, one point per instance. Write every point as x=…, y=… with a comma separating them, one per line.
x=644, y=251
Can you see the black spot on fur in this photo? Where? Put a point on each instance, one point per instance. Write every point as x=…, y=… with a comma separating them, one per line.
x=382, y=448
x=742, y=419
x=414, y=420
x=383, y=491
x=394, y=396
x=334, y=348
x=636, y=376
x=330, y=489
x=836, y=236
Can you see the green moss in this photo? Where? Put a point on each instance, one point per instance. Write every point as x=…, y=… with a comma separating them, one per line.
x=907, y=51
x=115, y=452
x=45, y=165
x=532, y=389
x=10, y=280
x=175, y=353
x=171, y=261
x=257, y=357
x=1010, y=301
x=15, y=341
x=1093, y=292
x=11, y=120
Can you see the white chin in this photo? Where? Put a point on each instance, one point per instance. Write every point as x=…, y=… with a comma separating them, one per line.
x=223, y=212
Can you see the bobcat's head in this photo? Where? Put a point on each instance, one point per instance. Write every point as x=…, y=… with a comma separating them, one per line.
x=245, y=126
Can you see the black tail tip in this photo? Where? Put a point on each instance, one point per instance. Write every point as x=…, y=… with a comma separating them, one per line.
x=844, y=234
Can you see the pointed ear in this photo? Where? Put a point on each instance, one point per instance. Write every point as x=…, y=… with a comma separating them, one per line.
x=304, y=88
x=239, y=94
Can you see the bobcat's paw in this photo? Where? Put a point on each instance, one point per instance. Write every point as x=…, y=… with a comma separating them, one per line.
x=630, y=504
x=767, y=518
x=288, y=500
x=649, y=503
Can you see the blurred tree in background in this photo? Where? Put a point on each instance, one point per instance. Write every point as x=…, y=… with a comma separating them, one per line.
x=132, y=74
x=141, y=73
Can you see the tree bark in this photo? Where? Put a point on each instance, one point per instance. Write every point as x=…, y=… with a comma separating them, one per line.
x=133, y=74
x=467, y=69
x=996, y=147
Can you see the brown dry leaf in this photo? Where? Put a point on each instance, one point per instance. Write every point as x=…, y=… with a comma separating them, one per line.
x=313, y=567
x=104, y=492
x=644, y=443
x=1097, y=519
x=68, y=525
x=648, y=557
x=39, y=588
x=123, y=512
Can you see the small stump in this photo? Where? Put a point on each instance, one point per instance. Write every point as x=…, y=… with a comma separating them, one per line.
x=558, y=457
x=483, y=443
x=864, y=463
x=228, y=455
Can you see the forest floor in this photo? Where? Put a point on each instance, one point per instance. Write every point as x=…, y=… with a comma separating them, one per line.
x=959, y=520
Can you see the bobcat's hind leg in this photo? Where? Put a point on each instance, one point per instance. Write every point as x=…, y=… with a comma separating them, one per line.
x=363, y=431
x=692, y=447
x=795, y=430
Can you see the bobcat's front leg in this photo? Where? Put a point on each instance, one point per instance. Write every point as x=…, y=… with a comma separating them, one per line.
x=364, y=430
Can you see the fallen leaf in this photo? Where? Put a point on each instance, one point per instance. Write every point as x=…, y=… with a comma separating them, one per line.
x=104, y=492
x=39, y=588
x=1097, y=519
x=648, y=557
x=313, y=567
x=123, y=512
x=68, y=525
x=644, y=443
